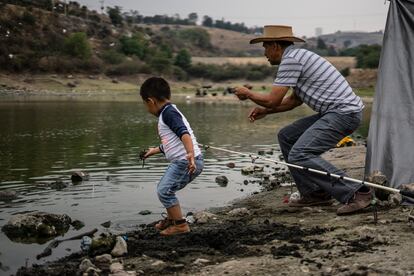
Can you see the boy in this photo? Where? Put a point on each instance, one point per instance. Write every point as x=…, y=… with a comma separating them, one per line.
x=179, y=146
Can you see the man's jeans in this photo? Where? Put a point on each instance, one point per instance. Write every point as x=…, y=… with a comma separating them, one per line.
x=305, y=140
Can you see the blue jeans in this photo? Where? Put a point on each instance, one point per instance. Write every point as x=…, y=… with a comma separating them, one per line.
x=305, y=140
x=175, y=178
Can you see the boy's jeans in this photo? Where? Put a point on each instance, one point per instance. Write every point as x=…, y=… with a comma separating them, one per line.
x=175, y=178
x=305, y=140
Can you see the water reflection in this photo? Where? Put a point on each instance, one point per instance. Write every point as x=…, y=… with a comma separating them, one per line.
x=44, y=141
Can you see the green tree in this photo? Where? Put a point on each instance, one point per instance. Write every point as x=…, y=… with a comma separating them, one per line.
x=77, y=45
x=115, y=15
x=134, y=45
x=321, y=44
x=193, y=17
x=183, y=59
x=207, y=21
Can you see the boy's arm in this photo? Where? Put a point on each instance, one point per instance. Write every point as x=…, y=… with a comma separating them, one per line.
x=173, y=119
x=152, y=151
x=189, y=148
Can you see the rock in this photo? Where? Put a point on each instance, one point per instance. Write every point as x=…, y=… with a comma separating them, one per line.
x=120, y=248
x=103, y=244
x=261, y=152
x=85, y=264
x=222, y=181
x=245, y=182
x=103, y=261
x=92, y=271
x=252, y=169
x=7, y=195
x=115, y=81
x=58, y=185
x=204, y=217
x=201, y=261
x=79, y=176
x=77, y=224
x=145, y=212
x=116, y=267
x=395, y=199
x=379, y=178
x=71, y=84
x=239, y=212
x=106, y=224
x=231, y=165
x=159, y=265
x=37, y=225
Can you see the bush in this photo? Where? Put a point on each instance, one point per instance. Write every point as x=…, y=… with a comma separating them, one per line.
x=28, y=18
x=161, y=64
x=345, y=72
x=197, y=36
x=179, y=74
x=128, y=68
x=367, y=56
x=183, y=59
x=113, y=57
x=133, y=46
x=77, y=45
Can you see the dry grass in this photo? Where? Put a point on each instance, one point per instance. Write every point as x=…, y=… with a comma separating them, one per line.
x=339, y=62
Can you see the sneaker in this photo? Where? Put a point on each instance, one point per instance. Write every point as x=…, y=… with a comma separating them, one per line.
x=357, y=203
x=177, y=227
x=164, y=223
x=314, y=199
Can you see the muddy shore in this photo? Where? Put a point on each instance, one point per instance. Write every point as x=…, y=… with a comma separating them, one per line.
x=270, y=238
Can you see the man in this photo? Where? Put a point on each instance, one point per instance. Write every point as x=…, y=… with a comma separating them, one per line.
x=318, y=84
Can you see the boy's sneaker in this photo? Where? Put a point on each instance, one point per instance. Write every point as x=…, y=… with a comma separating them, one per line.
x=164, y=223
x=176, y=227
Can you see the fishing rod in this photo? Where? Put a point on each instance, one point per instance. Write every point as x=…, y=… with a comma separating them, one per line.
x=405, y=193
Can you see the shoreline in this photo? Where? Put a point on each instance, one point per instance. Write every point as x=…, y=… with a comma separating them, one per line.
x=261, y=235
x=103, y=88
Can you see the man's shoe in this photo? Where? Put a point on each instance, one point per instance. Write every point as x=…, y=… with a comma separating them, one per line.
x=357, y=203
x=177, y=227
x=314, y=199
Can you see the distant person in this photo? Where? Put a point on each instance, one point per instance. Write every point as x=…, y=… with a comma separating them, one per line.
x=318, y=84
x=179, y=145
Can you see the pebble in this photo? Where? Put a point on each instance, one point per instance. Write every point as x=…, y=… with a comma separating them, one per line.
x=201, y=261
x=145, y=212
x=120, y=248
x=239, y=212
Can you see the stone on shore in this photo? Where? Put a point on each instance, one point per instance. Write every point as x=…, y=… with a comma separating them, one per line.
x=239, y=212
x=222, y=180
x=204, y=217
x=79, y=176
x=37, y=225
x=120, y=248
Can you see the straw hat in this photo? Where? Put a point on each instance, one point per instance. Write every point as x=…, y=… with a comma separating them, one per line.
x=277, y=33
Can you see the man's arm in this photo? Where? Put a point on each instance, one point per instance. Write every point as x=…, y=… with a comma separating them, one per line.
x=288, y=103
x=271, y=100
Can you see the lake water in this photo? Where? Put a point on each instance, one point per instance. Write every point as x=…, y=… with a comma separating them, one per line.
x=42, y=141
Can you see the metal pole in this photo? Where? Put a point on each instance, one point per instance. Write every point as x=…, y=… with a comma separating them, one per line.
x=393, y=190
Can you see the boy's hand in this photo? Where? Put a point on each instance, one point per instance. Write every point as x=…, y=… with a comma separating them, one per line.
x=257, y=113
x=149, y=152
x=242, y=93
x=191, y=163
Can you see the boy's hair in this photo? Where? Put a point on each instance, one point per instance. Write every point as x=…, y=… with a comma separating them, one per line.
x=155, y=87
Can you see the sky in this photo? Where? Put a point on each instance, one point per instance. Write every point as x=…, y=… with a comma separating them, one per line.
x=303, y=15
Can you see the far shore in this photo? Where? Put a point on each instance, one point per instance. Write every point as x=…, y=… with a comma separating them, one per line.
x=82, y=87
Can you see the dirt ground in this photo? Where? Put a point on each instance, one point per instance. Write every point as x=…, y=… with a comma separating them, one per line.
x=267, y=237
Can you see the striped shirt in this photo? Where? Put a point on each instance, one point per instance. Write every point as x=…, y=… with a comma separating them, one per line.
x=316, y=82
x=172, y=125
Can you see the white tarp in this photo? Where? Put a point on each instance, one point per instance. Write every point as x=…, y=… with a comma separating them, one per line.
x=391, y=131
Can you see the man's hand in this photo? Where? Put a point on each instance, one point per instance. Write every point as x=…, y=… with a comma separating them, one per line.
x=191, y=163
x=242, y=93
x=257, y=113
x=149, y=152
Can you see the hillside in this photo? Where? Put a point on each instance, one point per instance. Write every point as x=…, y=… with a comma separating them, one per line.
x=340, y=40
